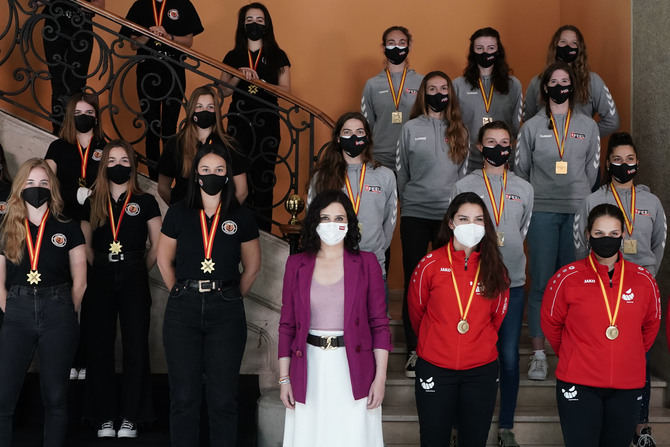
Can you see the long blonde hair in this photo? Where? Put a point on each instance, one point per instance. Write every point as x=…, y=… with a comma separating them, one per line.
x=13, y=226
x=100, y=189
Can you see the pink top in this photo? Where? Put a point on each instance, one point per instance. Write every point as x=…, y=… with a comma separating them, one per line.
x=326, y=305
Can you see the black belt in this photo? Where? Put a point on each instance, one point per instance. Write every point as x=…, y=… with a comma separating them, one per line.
x=102, y=257
x=326, y=342
x=229, y=288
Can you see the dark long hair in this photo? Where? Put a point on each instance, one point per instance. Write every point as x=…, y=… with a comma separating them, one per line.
x=604, y=209
x=193, y=197
x=271, y=49
x=544, y=80
x=69, y=131
x=310, y=241
x=617, y=139
x=332, y=168
x=456, y=133
x=493, y=273
x=580, y=65
x=501, y=71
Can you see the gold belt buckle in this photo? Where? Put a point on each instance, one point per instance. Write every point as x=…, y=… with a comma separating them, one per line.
x=329, y=342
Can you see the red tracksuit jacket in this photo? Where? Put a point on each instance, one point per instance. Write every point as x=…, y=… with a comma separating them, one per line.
x=434, y=312
x=574, y=320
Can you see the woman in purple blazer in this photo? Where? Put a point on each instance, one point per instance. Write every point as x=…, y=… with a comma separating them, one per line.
x=333, y=319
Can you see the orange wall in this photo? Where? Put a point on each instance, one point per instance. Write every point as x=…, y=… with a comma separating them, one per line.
x=334, y=45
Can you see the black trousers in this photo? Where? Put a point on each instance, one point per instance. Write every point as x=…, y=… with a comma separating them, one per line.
x=68, y=44
x=160, y=91
x=597, y=417
x=43, y=320
x=118, y=291
x=415, y=235
x=204, y=336
x=447, y=398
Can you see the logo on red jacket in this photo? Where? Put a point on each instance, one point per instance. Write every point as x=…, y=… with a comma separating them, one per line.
x=173, y=14
x=628, y=296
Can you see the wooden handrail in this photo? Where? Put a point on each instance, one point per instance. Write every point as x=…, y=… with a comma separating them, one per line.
x=275, y=90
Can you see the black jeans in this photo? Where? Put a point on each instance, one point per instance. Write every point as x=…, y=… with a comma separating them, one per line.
x=204, y=335
x=447, y=398
x=597, y=417
x=43, y=320
x=415, y=235
x=118, y=290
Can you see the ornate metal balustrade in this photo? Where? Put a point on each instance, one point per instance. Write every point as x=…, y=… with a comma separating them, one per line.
x=77, y=27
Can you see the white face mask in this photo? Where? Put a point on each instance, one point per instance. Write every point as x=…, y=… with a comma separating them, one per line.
x=332, y=233
x=469, y=234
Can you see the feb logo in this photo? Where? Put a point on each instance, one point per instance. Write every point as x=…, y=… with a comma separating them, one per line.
x=411, y=91
x=578, y=136
x=3, y=207
x=132, y=209
x=229, y=227
x=173, y=14
x=97, y=155
x=59, y=240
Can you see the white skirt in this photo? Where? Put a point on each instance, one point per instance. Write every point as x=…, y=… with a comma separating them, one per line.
x=330, y=416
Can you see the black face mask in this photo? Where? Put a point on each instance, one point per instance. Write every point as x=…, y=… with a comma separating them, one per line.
x=36, y=196
x=605, y=247
x=496, y=155
x=212, y=184
x=560, y=93
x=485, y=60
x=119, y=174
x=204, y=119
x=254, y=31
x=84, y=123
x=354, y=145
x=566, y=53
x=623, y=173
x=396, y=55
x=438, y=102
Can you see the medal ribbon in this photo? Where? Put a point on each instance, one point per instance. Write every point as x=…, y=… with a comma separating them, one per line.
x=630, y=222
x=604, y=292
x=253, y=65
x=396, y=97
x=464, y=315
x=34, y=249
x=115, y=227
x=158, y=19
x=84, y=158
x=489, y=100
x=355, y=202
x=208, y=237
x=561, y=145
x=497, y=213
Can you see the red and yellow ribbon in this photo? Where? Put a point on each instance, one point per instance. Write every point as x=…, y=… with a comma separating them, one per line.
x=497, y=212
x=34, y=248
x=254, y=65
x=611, y=317
x=158, y=18
x=561, y=144
x=630, y=222
x=208, y=237
x=464, y=314
x=115, y=226
x=396, y=97
x=83, y=155
x=487, y=100
x=357, y=201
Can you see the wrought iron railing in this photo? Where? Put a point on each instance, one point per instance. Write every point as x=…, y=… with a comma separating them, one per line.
x=26, y=25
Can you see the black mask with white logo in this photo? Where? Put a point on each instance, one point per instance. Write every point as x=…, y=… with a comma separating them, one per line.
x=485, y=60
x=438, y=102
x=212, y=184
x=560, y=93
x=496, y=155
x=353, y=145
x=396, y=55
x=36, y=195
x=566, y=53
x=623, y=172
x=84, y=123
x=204, y=119
x=605, y=247
x=254, y=31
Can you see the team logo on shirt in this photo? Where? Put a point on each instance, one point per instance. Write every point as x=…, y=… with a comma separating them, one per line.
x=173, y=14
x=570, y=394
x=59, y=240
x=411, y=91
x=372, y=188
x=445, y=269
x=427, y=384
x=642, y=212
x=513, y=197
x=628, y=296
x=97, y=155
x=229, y=227
x=132, y=209
x=3, y=207
x=579, y=136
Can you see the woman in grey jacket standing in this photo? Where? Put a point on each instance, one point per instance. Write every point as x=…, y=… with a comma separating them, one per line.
x=431, y=156
x=558, y=152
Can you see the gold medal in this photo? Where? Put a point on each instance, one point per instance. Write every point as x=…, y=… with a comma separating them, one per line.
x=561, y=167
x=497, y=211
x=83, y=155
x=463, y=327
x=630, y=246
x=34, y=277
x=501, y=238
x=34, y=248
x=253, y=89
x=207, y=266
x=612, y=332
x=486, y=120
x=115, y=247
x=396, y=117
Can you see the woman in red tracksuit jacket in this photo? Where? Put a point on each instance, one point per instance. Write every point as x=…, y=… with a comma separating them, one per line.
x=601, y=315
x=457, y=300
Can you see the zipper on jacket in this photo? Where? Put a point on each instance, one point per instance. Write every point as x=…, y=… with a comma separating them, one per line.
x=466, y=262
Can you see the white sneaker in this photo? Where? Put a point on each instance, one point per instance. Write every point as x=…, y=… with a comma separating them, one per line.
x=127, y=430
x=537, y=368
x=410, y=366
x=82, y=374
x=106, y=430
x=74, y=373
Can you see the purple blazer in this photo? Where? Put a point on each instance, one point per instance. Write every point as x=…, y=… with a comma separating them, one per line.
x=366, y=326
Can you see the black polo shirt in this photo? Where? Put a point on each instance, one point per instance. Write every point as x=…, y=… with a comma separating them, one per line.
x=133, y=232
x=54, y=263
x=234, y=228
x=68, y=163
x=5, y=189
x=171, y=163
x=267, y=70
x=179, y=19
